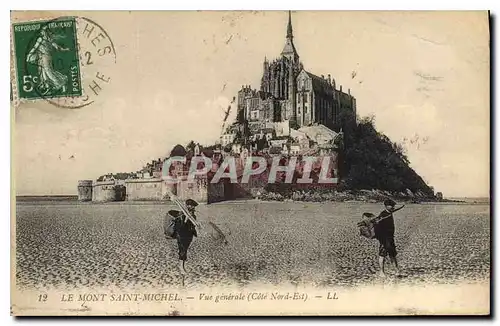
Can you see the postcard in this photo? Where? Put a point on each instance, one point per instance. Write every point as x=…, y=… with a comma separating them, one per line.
x=250, y=163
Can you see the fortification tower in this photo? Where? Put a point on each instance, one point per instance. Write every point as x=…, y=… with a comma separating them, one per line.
x=85, y=190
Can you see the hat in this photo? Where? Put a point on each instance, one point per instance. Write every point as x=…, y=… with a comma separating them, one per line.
x=174, y=213
x=389, y=202
x=191, y=202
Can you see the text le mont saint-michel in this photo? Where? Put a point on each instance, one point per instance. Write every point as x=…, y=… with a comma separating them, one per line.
x=213, y=297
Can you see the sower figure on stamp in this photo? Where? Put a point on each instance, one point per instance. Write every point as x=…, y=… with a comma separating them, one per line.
x=384, y=233
x=41, y=55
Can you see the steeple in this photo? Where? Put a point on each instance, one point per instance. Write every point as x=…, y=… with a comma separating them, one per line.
x=289, y=50
x=289, y=31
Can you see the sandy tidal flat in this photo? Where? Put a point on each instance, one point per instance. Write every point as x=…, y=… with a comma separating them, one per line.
x=79, y=245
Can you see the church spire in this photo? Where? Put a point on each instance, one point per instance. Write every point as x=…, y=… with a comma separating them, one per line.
x=289, y=49
x=289, y=31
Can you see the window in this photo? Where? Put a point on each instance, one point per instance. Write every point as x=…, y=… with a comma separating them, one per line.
x=305, y=99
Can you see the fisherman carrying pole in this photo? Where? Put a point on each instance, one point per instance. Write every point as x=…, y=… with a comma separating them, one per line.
x=382, y=228
x=186, y=229
x=182, y=226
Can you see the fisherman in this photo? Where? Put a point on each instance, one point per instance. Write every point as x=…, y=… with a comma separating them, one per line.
x=185, y=230
x=384, y=233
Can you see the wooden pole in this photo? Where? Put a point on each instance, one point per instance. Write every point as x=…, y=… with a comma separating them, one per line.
x=184, y=209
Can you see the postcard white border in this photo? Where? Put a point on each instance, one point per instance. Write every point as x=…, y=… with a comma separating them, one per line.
x=188, y=5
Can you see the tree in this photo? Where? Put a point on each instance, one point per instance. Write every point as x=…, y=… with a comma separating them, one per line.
x=401, y=152
x=369, y=119
x=178, y=150
x=190, y=146
x=122, y=176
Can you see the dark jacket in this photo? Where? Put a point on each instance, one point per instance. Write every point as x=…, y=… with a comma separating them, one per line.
x=185, y=228
x=384, y=228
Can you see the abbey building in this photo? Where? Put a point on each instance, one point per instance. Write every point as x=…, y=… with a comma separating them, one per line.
x=292, y=95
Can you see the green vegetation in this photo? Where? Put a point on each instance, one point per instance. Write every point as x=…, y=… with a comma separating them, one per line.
x=117, y=176
x=370, y=160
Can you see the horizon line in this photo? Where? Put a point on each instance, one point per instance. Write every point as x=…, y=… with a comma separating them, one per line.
x=76, y=194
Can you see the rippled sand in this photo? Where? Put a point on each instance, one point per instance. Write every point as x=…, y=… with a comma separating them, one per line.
x=68, y=245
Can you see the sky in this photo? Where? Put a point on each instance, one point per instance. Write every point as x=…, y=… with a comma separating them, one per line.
x=423, y=75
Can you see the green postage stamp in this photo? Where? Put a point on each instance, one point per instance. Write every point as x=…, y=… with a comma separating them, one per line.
x=47, y=61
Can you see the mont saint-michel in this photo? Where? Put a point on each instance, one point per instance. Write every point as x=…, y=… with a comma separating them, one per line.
x=293, y=113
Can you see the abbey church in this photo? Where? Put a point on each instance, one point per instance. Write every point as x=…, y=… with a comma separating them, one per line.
x=292, y=95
